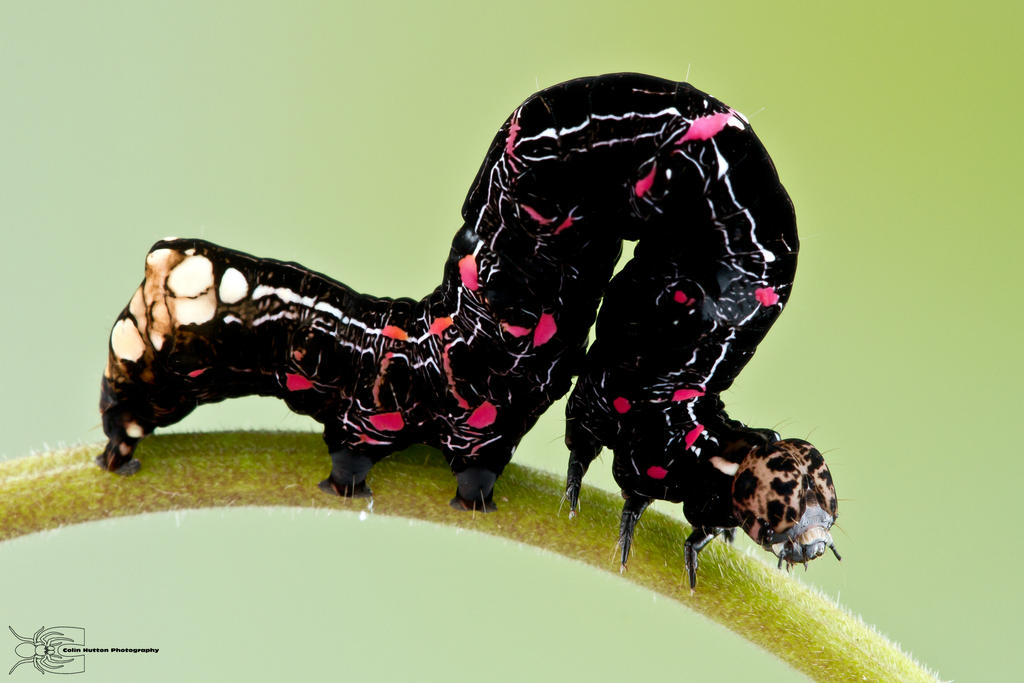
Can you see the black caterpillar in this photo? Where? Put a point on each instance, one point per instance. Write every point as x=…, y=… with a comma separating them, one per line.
x=576, y=169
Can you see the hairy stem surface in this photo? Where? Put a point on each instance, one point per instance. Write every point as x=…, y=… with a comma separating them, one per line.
x=799, y=625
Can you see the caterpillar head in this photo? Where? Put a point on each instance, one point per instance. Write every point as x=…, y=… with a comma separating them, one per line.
x=784, y=499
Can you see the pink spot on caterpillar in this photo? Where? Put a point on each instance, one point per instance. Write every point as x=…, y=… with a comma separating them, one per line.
x=446, y=363
x=706, y=127
x=483, y=416
x=766, y=295
x=643, y=186
x=387, y=422
x=655, y=472
x=567, y=223
x=467, y=269
x=680, y=297
x=621, y=405
x=535, y=215
x=196, y=373
x=516, y=330
x=686, y=394
x=394, y=332
x=299, y=354
x=545, y=329
x=379, y=380
x=440, y=325
x=513, y=133
x=297, y=382
x=691, y=436
x=363, y=438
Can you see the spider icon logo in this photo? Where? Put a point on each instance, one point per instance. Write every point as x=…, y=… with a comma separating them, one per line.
x=57, y=650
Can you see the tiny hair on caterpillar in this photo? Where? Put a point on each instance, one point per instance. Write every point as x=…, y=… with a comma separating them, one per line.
x=469, y=368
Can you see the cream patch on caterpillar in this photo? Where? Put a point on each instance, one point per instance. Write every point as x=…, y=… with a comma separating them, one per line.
x=159, y=264
x=233, y=286
x=724, y=466
x=191, y=277
x=125, y=340
x=195, y=310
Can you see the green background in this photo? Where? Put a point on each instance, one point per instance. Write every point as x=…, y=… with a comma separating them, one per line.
x=345, y=135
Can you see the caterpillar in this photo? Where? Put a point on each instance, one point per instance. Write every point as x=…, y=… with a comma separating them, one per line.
x=469, y=368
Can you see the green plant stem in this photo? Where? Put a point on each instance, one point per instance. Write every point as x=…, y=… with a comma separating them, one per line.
x=797, y=624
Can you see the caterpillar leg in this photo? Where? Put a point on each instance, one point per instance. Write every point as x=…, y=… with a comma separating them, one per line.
x=583, y=449
x=123, y=428
x=123, y=435
x=475, y=490
x=695, y=542
x=632, y=510
x=114, y=458
x=348, y=475
x=574, y=482
x=476, y=466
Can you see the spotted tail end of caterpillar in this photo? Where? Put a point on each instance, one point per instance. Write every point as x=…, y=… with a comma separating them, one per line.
x=677, y=325
x=210, y=323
